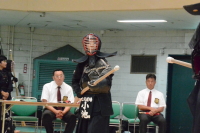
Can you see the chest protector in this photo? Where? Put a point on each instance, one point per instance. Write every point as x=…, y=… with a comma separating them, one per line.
x=91, y=74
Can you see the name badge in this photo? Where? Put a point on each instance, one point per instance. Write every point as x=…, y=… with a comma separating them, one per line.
x=65, y=98
x=156, y=100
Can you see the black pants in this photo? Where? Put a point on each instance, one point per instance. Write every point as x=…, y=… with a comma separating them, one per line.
x=157, y=119
x=97, y=124
x=194, y=104
x=48, y=116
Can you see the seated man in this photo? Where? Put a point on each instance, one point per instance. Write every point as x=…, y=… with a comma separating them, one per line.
x=52, y=92
x=151, y=103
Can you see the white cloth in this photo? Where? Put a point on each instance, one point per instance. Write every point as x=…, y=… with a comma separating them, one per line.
x=143, y=95
x=49, y=92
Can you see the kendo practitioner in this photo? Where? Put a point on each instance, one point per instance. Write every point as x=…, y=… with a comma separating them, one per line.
x=9, y=67
x=5, y=80
x=96, y=104
x=5, y=83
x=194, y=98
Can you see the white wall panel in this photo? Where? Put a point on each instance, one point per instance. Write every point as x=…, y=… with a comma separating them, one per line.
x=125, y=85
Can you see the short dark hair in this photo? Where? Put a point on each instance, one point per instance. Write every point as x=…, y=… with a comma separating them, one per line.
x=150, y=76
x=2, y=57
x=57, y=70
x=8, y=66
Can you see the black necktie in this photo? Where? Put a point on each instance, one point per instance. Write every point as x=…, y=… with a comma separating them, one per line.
x=59, y=97
x=149, y=100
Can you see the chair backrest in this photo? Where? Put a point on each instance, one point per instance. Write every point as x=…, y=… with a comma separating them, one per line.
x=116, y=109
x=72, y=110
x=129, y=110
x=24, y=110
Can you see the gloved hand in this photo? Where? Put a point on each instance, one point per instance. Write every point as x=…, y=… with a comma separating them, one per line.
x=79, y=94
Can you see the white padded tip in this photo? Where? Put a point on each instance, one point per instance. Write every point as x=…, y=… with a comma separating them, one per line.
x=169, y=59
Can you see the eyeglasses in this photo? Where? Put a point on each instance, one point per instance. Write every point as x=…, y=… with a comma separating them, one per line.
x=59, y=76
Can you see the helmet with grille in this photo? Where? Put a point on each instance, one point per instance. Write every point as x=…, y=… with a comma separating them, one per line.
x=91, y=44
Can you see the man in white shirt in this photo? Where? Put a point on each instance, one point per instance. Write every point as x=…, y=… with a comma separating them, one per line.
x=53, y=92
x=151, y=103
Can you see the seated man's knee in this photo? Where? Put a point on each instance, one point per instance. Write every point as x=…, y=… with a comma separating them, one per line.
x=73, y=118
x=69, y=118
x=144, y=118
x=162, y=121
x=46, y=116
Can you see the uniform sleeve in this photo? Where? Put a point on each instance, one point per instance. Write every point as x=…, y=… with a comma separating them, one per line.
x=76, y=80
x=10, y=86
x=45, y=94
x=139, y=99
x=71, y=95
x=1, y=81
x=162, y=101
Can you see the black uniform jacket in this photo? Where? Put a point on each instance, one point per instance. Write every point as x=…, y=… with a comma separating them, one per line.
x=5, y=82
x=104, y=99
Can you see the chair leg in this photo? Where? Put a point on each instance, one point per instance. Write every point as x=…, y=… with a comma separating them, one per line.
x=120, y=129
x=157, y=129
x=41, y=127
x=37, y=127
x=128, y=126
x=61, y=128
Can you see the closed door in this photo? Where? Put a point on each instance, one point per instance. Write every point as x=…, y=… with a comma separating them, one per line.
x=180, y=85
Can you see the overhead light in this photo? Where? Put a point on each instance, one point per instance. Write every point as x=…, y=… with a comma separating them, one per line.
x=141, y=21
